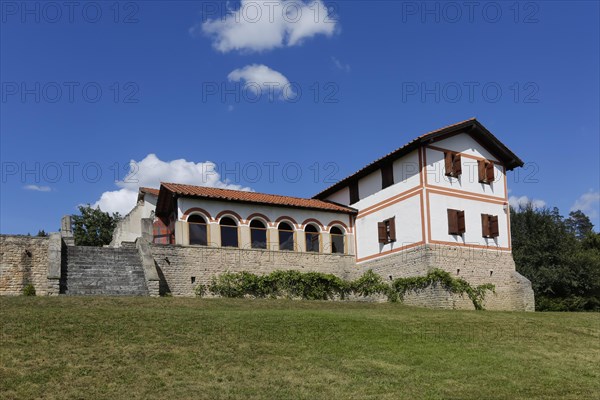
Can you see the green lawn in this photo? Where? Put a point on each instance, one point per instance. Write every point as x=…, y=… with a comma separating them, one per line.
x=172, y=348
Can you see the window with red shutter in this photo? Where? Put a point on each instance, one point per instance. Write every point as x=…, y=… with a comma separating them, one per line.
x=391, y=226
x=452, y=162
x=486, y=171
x=461, y=222
x=494, y=231
x=387, y=230
x=485, y=225
x=489, y=172
x=456, y=165
x=448, y=163
x=452, y=222
x=489, y=224
x=456, y=222
x=382, y=232
x=481, y=170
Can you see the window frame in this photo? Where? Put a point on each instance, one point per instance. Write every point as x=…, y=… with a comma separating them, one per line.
x=341, y=235
x=264, y=229
x=192, y=224
x=293, y=232
x=312, y=235
x=237, y=230
x=386, y=231
x=387, y=175
x=452, y=164
x=486, y=171
x=456, y=222
x=489, y=226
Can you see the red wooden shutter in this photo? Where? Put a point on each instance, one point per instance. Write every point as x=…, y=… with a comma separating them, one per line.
x=489, y=172
x=494, y=231
x=382, y=232
x=448, y=163
x=481, y=168
x=452, y=222
x=461, y=222
x=456, y=165
x=392, y=224
x=485, y=225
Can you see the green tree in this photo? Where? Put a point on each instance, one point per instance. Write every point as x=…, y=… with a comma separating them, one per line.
x=564, y=269
x=94, y=227
x=42, y=233
x=579, y=224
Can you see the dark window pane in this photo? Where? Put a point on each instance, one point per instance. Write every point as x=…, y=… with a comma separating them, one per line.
x=337, y=243
x=312, y=241
x=286, y=240
x=257, y=224
x=227, y=221
x=336, y=231
x=196, y=219
x=198, y=234
x=259, y=238
x=229, y=236
x=284, y=226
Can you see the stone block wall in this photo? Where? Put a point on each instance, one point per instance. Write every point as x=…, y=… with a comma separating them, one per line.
x=182, y=268
x=28, y=260
x=476, y=266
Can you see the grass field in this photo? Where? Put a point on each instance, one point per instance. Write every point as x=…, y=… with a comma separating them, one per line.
x=172, y=348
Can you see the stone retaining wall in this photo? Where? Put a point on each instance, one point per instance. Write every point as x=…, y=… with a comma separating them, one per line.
x=28, y=260
x=182, y=268
x=476, y=266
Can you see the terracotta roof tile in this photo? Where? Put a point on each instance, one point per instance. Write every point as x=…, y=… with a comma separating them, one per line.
x=253, y=197
x=151, y=191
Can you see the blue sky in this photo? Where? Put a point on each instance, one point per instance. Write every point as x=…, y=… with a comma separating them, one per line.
x=87, y=89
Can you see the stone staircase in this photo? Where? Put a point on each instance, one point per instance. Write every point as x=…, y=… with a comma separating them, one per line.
x=103, y=271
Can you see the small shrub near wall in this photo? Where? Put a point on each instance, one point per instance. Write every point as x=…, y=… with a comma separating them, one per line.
x=29, y=290
x=319, y=286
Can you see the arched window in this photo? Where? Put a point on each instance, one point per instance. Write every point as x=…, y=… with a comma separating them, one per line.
x=229, y=232
x=198, y=232
x=311, y=233
x=258, y=234
x=337, y=240
x=286, y=236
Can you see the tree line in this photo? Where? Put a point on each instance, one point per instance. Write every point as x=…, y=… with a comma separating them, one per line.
x=560, y=256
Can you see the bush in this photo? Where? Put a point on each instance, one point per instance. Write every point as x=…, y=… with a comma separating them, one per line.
x=29, y=290
x=319, y=286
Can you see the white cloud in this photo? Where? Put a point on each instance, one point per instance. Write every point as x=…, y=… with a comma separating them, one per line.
x=518, y=202
x=589, y=203
x=260, y=79
x=339, y=65
x=37, y=188
x=150, y=171
x=268, y=24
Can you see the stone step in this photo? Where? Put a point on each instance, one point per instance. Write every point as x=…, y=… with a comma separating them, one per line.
x=104, y=271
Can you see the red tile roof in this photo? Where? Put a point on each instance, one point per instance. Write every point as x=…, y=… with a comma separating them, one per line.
x=149, y=191
x=252, y=197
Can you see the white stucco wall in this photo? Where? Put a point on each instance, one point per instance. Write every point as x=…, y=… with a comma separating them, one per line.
x=130, y=228
x=406, y=176
x=409, y=229
x=440, y=203
x=468, y=181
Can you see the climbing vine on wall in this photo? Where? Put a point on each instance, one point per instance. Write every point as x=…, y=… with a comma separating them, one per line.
x=320, y=286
